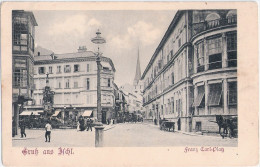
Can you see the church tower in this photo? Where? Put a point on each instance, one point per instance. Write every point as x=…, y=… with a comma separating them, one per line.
x=136, y=84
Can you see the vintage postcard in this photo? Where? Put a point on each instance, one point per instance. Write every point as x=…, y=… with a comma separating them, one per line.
x=129, y=83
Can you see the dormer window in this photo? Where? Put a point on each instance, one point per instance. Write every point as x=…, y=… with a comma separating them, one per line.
x=67, y=69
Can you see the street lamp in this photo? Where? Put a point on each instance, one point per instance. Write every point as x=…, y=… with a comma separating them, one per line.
x=98, y=40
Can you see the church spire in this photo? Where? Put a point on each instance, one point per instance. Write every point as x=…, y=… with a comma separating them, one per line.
x=138, y=70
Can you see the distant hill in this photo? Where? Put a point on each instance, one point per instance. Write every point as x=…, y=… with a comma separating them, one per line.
x=42, y=51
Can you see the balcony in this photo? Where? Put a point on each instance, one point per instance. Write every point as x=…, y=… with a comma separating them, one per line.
x=208, y=25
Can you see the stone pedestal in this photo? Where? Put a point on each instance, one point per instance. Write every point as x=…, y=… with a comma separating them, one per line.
x=99, y=136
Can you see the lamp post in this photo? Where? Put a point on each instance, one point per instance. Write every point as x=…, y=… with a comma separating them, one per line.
x=98, y=40
x=98, y=128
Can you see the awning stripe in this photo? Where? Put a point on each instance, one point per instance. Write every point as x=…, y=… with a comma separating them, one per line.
x=29, y=113
x=214, y=97
x=198, y=99
x=87, y=113
x=56, y=113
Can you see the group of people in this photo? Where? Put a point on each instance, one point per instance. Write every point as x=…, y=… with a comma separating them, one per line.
x=48, y=129
x=82, y=122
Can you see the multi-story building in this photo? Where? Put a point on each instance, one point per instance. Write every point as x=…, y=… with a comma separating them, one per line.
x=23, y=25
x=73, y=78
x=192, y=75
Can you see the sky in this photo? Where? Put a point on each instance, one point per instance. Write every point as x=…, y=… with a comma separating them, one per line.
x=124, y=31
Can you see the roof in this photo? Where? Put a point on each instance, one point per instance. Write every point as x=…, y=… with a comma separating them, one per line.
x=21, y=12
x=164, y=40
x=72, y=57
x=65, y=55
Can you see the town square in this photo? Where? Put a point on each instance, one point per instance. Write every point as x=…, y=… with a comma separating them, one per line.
x=80, y=79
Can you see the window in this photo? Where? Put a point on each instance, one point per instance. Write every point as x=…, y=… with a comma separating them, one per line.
x=212, y=20
x=169, y=106
x=199, y=100
x=232, y=16
x=76, y=68
x=232, y=93
x=215, y=56
x=198, y=126
x=214, y=46
x=59, y=85
x=20, y=77
x=108, y=82
x=75, y=84
x=50, y=70
x=21, y=34
x=41, y=70
x=180, y=107
x=172, y=105
x=200, y=57
x=88, y=68
x=88, y=84
x=67, y=68
x=232, y=49
x=58, y=69
x=67, y=85
x=215, y=92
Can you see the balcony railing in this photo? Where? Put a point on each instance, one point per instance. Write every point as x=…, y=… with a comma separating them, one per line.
x=207, y=25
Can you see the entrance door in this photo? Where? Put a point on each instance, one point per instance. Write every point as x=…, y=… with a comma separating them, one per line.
x=179, y=124
x=104, y=120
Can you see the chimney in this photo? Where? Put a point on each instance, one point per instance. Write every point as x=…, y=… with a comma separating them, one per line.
x=82, y=49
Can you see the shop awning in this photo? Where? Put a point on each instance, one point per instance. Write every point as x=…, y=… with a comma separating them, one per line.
x=214, y=97
x=56, y=113
x=198, y=99
x=87, y=113
x=29, y=113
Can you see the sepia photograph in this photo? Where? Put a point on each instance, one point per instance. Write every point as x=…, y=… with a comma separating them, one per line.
x=126, y=79
x=66, y=81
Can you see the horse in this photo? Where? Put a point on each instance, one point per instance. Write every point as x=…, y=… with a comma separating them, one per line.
x=222, y=123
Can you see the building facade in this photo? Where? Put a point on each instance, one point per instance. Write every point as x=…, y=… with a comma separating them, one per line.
x=192, y=76
x=23, y=28
x=73, y=78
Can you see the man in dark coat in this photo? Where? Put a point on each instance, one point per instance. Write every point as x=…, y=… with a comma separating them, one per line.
x=89, y=124
x=22, y=126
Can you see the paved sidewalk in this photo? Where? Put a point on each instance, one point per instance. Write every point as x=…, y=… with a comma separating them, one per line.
x=186, y=133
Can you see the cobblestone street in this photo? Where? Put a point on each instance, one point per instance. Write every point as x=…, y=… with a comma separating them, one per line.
x=121, y=135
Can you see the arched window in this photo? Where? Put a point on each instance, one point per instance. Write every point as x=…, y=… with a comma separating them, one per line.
x=232, y=16
x=212, y=20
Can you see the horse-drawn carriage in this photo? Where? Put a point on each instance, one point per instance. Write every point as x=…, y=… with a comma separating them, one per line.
x=227, y=125
x=166, y=125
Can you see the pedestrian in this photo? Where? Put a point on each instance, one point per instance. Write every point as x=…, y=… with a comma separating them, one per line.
x=82, y=124
x=78, y=124
x=48, y=129
x=22, y=126
x=89, y=126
